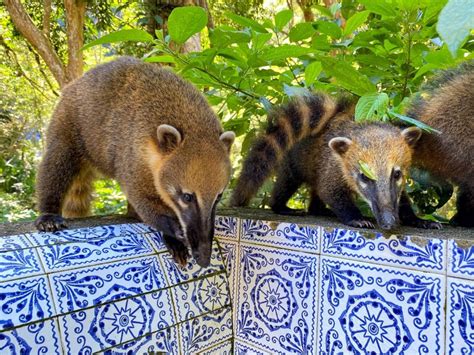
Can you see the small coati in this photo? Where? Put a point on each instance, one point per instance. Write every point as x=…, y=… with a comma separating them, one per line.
x=156, y=135
x=447, y=104
x=328, y=159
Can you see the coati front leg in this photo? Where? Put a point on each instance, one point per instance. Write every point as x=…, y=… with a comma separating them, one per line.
x=317, y=207
x=409, y=218
x=464, y=216
x=286, y=184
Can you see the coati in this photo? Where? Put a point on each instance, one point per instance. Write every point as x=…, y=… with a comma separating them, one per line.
x=156, y=135
x=447, y=104
x=328, y=159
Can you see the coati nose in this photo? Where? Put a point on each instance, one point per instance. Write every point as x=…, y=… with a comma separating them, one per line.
x=388, y=220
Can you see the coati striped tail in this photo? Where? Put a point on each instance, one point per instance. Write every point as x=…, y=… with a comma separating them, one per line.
x=287, y=125
x=79, y=195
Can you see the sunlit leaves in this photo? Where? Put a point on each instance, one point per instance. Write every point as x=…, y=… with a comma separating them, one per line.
x=185, y=22
x=456, y=20
x=132, y=35
x=371, y=107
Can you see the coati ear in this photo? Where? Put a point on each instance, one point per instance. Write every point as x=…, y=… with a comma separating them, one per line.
x=340, y=144
x=168, y=138
x=411, y=135
x=227, y=138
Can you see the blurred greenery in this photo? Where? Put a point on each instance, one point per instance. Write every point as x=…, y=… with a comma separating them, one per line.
x=253, y=57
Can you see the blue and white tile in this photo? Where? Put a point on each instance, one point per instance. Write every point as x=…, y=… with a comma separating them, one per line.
x=82, y=288
x=277, y=299
x=461, y=258
x=399, y=251
x=122, y=317
x=177, y=274
x=229, y=251
x=240, y=348
x=224, y=348
x=156, y=240
x=161, y=342
x=460, y=317
x=37, y=338
x=281, y=234
x=205, y=331
x=200, y=296
x=19, y=263
x=367, y=309
x=93, y=252
x=227, y=227
x=14, y=242
x=25, y=301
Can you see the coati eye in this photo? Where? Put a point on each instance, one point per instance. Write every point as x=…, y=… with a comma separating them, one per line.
x=397, y=174
x=188, y=198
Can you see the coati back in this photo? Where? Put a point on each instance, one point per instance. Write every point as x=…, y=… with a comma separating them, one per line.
x=151, y=131
x=447, y=104
x=287, y=125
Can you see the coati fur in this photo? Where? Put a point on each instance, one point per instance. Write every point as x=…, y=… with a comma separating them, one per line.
x=447, y=104
x=151, y=131
x=328, y=161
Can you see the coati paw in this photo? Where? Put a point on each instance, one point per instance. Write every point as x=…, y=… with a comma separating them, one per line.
x=178, y=250
x=422, y=223
x=50, y=222
x=361, y=223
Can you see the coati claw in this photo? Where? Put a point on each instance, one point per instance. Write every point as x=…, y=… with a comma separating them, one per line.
x=50, y=222
x=361, y=223
x=177, y=249
x=428, y=224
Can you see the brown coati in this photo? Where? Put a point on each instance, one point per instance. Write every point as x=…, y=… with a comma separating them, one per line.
x=156, y=135
x=447, y=104
x=329, y=162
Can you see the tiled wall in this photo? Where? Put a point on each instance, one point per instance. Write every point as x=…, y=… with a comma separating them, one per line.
x=289, y=288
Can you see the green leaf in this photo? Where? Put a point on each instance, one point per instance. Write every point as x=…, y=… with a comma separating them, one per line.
x=367, y=171
x=414, y=122
x=455, y=23
x=380, y=7
x=371, y=107
x=301, y=31
x=246, y=22
x=311, y=72
x=329, y=28
x=160, y=59
x=284, y=51
x=355, y=21
x=185, y=22
x=295, y=90
x=282, y=18
x=121, y=36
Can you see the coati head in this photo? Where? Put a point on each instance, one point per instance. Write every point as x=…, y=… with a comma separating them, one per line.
x=190, y=174
x=375, y=158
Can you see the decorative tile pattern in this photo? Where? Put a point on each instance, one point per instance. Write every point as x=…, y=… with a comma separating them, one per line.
x=460, y=317
x=410, y=252
x=240, y=348
x=365, y=309
x=461, y=258
x=277, y=299
x=283, y=235
x=14, y=242
x=229, y=251
x=224, y=348
x=227, y=227
x=17, y=263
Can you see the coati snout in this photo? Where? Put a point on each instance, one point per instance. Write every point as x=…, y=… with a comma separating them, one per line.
x=156, y=135
x=375, y=166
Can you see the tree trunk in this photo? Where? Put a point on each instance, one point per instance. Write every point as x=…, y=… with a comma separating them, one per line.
x=75, y=15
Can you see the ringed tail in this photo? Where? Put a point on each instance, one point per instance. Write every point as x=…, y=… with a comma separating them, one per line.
x=287, y=125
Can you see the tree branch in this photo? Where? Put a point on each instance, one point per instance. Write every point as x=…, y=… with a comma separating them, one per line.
x=47, y=17
x=36, y=38
x=75, y=14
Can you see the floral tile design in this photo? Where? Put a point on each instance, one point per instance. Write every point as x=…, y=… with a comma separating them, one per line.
x=224, y=348
x=461, y=258
x=202, y=332
x=409, y=252
x=93, y=251
x=227, y=227
x=277, y=299
x=240, y=348
x=200, y=296
x=460, y=317
x=14, y=242
x=78, y=289
x=121, y=317
x=283, y=235
x=156, y=240
x=25, y=301
x=17, y=263
x=367, y=309
x=37, y=338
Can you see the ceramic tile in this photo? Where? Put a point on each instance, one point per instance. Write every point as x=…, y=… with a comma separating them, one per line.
x=25, y=301
x=229, y=251
x=460, y=317
x=277, y=299
x=156, y=240
x=227, y=227
x=240, y=348
x=410, y=252
x=19, y=263
x=14, y=242
x=194, y=298
x=92, y=252
x=367, y=309
x=37, y=338
x=177, y=274
x=224, y=348
x=122, y=317
x=202, y=332
x=280, y=234
x=82, y=288
x=461, y=258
